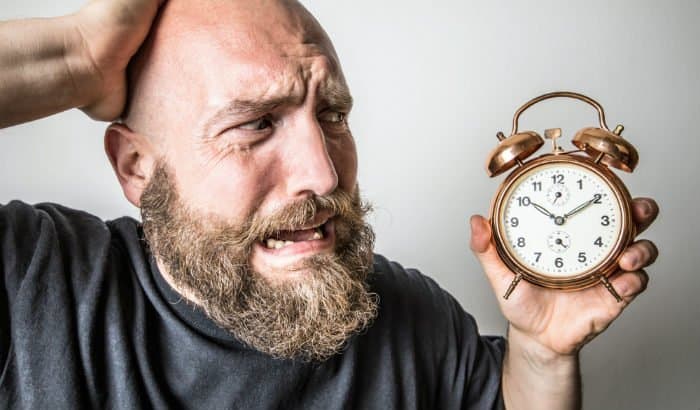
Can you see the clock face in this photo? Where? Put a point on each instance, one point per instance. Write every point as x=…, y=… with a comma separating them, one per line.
x=560, y=220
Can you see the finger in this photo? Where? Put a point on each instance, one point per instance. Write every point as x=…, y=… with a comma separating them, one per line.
x=644, y=212
x=639, y=255
x=630, y=284
x=481, y=234
x=485, y=251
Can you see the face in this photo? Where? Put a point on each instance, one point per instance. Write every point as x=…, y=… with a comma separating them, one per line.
x=257, y=119
x=253, y=207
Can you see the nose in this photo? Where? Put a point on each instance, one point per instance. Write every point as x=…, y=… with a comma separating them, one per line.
x=310, y=170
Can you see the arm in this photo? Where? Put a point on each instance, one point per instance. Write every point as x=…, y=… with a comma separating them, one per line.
x=51, y=65
x=549, y=327
x=42, y=69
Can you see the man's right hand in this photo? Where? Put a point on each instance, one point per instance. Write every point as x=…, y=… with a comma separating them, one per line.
x=111, y=32
x=77, y=61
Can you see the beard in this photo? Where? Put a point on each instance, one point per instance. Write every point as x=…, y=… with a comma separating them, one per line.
x=309, y=318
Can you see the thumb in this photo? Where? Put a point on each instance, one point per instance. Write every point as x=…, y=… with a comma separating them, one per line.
x=481, y=234
x=485, y=251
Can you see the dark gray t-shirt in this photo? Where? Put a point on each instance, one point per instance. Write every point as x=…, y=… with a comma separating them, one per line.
x=86, y=321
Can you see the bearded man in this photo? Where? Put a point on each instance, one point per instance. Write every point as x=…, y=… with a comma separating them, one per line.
x=250, y=282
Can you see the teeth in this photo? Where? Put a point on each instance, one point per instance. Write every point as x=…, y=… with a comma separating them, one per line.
x=271, y=243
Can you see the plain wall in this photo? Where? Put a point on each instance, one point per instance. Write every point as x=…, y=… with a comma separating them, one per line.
x=433, y=83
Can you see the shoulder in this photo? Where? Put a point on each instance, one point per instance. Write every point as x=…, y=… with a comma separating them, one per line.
x=18, y=215
x=465, y=366
x=410, y=289
x=48, y=238
x=411, y=304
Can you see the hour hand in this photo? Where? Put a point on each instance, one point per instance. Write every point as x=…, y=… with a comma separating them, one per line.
x=542, y=210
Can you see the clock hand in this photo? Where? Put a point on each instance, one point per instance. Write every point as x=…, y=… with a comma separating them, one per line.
x=542, y=210
x=582, y=206
x=561, y=243
x=557, y=195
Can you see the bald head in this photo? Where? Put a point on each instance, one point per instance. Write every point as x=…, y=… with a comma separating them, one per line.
x=200, y=56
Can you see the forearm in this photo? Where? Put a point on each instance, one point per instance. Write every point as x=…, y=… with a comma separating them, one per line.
x=43, y=69
x=535, y=378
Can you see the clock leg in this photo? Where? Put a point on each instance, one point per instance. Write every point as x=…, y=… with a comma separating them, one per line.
x=512, y=286
x=610, y=288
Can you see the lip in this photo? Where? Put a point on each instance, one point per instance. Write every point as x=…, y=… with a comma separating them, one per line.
x=290, y=254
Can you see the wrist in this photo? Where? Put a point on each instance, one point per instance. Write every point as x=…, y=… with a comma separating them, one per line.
x=538, y=377
x=537, y=355
x=87, y=79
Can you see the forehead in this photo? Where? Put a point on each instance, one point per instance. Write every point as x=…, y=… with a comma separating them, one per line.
x=248, y=46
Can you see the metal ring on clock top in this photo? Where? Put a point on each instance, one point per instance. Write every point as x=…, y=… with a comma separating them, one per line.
x=567, y=94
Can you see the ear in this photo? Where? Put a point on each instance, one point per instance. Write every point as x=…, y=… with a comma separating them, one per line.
x=132, y=157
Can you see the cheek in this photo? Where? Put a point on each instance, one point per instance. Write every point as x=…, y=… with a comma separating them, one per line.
x=231, y=187
x=344, y=156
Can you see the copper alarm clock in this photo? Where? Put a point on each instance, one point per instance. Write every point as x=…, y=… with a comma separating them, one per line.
x=563, y=219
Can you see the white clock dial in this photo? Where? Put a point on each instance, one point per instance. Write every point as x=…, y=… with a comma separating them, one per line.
x=560, y=240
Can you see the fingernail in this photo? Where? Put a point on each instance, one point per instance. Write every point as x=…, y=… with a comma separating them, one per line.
x=646, y=209
x=631, y=260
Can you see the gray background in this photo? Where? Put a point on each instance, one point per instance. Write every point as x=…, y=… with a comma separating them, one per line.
x=433, y=82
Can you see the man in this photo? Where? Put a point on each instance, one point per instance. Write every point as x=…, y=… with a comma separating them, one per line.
x=251, y=282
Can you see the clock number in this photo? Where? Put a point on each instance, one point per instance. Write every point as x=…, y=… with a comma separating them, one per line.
x=580, y=184
x=558, y=178
x=582, y=257
x=523, y=201
x=596, y=198
x=559, y=262
x=536, y=186
x=514, y=222
x=605, y=220
x=521, y=242
x=538, y=255
x=598, y=242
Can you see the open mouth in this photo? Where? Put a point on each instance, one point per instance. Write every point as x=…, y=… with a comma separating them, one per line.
x=313, y=237
x=284, y=251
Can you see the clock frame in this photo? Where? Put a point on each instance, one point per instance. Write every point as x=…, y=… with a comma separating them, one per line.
x=599, y=149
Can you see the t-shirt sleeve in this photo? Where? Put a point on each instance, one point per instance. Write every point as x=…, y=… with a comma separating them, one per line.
x=20, y=230
x=45, y=261
x=470, y=364
x=473, y=363
x=464, y=368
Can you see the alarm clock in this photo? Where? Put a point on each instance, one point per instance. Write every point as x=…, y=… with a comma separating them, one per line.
x=563, y=219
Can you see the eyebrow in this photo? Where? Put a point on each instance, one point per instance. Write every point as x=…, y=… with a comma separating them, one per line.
x=238, y=107
x=332, y=94
x=336, y=95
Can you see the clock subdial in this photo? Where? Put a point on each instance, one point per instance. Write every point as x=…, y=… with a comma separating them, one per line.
x=558, y=194
x=559, y=241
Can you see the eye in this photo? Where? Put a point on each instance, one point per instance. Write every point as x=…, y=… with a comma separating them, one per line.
x=256, y=125
x=332, y=116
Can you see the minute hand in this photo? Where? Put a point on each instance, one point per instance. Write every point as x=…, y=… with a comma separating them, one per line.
x=582, y=206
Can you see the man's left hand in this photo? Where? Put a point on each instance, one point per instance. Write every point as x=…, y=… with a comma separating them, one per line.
x=562, y=322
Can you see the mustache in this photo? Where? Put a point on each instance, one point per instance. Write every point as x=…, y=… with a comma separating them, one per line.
x=347, y=208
